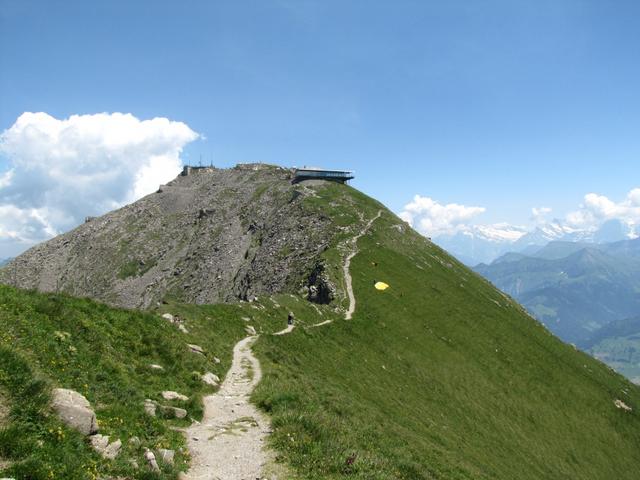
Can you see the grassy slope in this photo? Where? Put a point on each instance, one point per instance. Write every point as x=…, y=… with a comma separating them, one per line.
x=441, y=376
x=438, y=377
x=104, y=353
x=618, y=344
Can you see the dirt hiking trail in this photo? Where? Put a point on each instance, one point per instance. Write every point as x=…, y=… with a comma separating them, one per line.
x=347, y=263
x=289, y=329
x=229, y=444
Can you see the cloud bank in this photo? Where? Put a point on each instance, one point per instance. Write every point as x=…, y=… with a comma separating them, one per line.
x=62, y=170
x=432, y=218
x=596, y=209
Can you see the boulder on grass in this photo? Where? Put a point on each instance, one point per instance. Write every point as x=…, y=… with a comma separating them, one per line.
x=166, y=456
x=100, y=444
x=171, y=395
x=211, y=379
x=195, y=348
x=74, y=410
x=151, y=460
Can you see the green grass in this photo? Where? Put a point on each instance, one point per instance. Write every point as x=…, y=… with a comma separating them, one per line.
x=441, y=376
x=104, y=353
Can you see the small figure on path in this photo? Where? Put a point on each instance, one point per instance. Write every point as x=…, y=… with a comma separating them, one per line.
x=290, y=318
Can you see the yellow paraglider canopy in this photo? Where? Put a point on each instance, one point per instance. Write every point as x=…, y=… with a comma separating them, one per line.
x=381, y=286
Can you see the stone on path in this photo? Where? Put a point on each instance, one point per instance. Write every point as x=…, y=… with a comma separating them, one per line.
x=250, y=330
x=74, y=410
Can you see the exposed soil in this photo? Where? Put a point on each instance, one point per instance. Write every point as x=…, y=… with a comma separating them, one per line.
x=216, y=235
x=229, y=444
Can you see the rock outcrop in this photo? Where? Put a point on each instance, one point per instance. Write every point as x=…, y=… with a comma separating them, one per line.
x=74, y=410
x=101, y=444
x=211, y=379
x=171, y=395
x=214, y=235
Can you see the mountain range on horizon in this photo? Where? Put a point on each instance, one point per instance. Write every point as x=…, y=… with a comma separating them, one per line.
x=475, y=244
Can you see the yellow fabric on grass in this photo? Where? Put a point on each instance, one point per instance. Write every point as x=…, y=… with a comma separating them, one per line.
x=381, y=286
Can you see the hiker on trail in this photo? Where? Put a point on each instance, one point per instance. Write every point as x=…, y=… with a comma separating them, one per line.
x=290, y=318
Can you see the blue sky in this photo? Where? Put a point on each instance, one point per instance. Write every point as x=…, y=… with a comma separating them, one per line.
x=506, y=105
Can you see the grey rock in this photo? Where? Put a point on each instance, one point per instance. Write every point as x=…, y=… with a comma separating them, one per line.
x=166, y=456
x=171, y=395
x=113, y=449
x=150, y=407
x=169, y=317
x=211, y=379
x=151, y=460
x=174, y=411
x=196, y=348
x=259, y=239
x=250, y=330
x=100, y=444
x=153, y=366
x=74, y=410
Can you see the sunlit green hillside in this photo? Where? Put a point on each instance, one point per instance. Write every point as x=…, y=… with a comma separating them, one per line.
x=439, y=376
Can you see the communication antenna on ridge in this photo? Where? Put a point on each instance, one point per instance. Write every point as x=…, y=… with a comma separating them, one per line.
x=200, y=160
x=211, y=163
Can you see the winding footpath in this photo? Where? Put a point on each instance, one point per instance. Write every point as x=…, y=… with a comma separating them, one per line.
x=289, y=329
x=347, y=263
x=229, y=443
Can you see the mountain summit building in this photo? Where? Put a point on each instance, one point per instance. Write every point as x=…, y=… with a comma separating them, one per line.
x=341, y=176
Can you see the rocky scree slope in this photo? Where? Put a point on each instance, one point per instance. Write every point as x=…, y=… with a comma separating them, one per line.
x=214, y=235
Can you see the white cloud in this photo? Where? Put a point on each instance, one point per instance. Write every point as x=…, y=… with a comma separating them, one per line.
x=538, y=214
x=432, y=218
x=597, y=209
x=63, y=170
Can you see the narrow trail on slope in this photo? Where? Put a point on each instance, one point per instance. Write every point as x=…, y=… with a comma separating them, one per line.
x=229, y=442
x=289, y=329
x=347, y=263
x=347, y=275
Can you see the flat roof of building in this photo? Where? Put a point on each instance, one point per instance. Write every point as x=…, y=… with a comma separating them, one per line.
x=314, y=169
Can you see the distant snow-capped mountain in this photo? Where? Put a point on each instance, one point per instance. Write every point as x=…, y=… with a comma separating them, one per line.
x=481, y=243
x=484, y=243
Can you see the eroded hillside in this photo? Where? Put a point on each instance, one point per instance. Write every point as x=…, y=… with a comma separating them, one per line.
x=214, y=235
